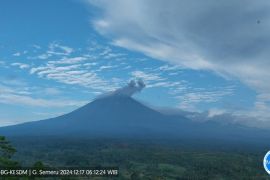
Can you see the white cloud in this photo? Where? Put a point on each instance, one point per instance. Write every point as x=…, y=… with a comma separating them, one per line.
x=18, y=96
x=147, y=77
x=224, y=37
x=88, y=65
x=6, y=122
x=44, y=56
x=72, y=75
x=70, y=60
x=215, y=112
x=21, y=65
x=17, y=54
x=58, y=49
x=261, y=109
x=106, y=67
x=84, y=69
x=52, y=91
x=154, y=80
x=15, y=99
x=192, y=97
x=55, y=49
x=12, y=81
x=168, y=67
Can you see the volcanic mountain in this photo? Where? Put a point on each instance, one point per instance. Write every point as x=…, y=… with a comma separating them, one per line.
x=106, y=116
x=122, y=116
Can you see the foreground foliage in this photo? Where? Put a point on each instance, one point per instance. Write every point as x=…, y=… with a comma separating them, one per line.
x=6, y=153
x=147, y=159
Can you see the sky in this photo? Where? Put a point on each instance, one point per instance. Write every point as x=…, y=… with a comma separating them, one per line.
x=198, y=56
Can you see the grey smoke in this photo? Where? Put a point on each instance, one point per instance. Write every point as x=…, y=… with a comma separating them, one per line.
x=134, y=86
x=131, y=88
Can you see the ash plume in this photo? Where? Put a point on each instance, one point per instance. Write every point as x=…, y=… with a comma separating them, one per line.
x=134, y=86
x=131, y=88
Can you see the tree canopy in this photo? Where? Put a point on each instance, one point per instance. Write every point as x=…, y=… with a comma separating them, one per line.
x=6, y=153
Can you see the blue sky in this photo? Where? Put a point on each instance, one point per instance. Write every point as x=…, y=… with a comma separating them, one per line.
x=56, y=56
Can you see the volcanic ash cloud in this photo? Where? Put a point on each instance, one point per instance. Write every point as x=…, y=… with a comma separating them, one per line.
x=131, y=88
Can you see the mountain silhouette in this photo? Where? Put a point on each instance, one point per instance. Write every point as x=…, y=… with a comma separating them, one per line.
x=122, y=116
x=106, y=116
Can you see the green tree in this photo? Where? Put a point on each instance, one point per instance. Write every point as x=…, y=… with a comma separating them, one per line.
x=6, y=153
x=135, y=176
x=39, y=165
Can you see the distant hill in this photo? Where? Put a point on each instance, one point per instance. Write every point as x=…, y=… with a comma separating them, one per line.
x=122, y=116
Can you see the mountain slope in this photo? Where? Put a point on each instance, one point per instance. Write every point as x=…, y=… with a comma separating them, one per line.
x=111, y=115
x=122, y=116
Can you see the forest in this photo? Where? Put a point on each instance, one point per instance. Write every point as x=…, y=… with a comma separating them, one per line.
x=137, y=158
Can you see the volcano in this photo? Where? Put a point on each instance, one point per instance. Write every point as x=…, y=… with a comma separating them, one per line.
x=122, y=116
x=115, y=115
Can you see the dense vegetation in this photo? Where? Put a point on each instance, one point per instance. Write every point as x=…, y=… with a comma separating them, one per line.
x=6, y=153
x=139, y=159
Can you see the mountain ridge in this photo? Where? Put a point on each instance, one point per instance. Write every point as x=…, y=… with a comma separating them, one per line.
x=122, y=116
x=107, y=114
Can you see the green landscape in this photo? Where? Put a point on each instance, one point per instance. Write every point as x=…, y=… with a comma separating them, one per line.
x=139, y=159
